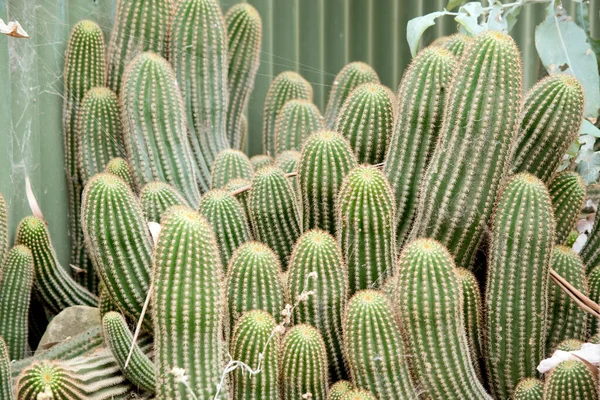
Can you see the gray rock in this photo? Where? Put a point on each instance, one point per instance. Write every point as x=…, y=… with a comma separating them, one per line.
x=70, y=322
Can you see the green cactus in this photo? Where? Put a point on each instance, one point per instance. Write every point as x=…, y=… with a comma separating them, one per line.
x=366, y=120
x=428, y=298
x=457, y=43
x=117, y=236
x=156, y=197
x=274, y=212
x=571, y=380
x=226, y=217
x=358, y=394
x=105, y=304
x=140, y=370
x=529, y=389
x=594, y=339
x=366, y=227
x=16, y=281
x=261, y=160
x=244, y=31
x=382, y=366
x=296, y=121
x=155, y=128
x=422, y=95
x=516, y=294
x=198, y=53
x=590, y=254
x=99, y=134
x=349, y=78
x=473, y=316
x=567, y=345
x=140, y=25
x=338, y=389
x=243, y=197
x=303, y=364
x=6, y=389
x=325, y=161
x=316, y=251
x=229, y=165
x=565, y=319
x=54, y=285
x=187, y=312
x=285, y=87
x=121, y=168
x=253, y=282
x=288, y=162
x=594, y=286
x=250, y=336
x=550, y=121
x=467, y=167
x=3, y=230
x=567, y=191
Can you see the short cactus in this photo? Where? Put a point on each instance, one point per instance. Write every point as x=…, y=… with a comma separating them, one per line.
x=594, y=286
x=571, y=380
x=243, y=197
x=157, y=197
x=516, y=294
x=382, y=366
x=457, y=43
x=473, y=317
x=590, y=254
x=338, y=389
x=567, y=191
x=3, y=230
x=6, y=389
x=296, y=121
x=359, y=394
x=260, y=161
x=229, y=165
x=568, y=345
x=529, y=389
x=366, y=120
x=288, y=162
x=121, y=168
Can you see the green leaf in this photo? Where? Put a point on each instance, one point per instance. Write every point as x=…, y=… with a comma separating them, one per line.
x=468, y=17
x=452, y=4
x=589, y=166
x=582, y=18
x=511, y=14
x=416, y=27
x=587, y=128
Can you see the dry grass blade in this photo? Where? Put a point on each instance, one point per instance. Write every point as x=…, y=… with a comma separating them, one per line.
x=584, y=302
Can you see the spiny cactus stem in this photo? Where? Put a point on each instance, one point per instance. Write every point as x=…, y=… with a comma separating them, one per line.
x=138, y=326
x=582, y=301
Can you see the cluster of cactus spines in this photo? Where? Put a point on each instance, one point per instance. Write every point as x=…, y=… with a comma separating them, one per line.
x=99, y=133
x=421, y=99
x=250, y=336
x=480, y=118
x=516, y=296
x=567, y=345
x=567, y=191
x=550, y=121
x=366, y=227
x=140, y=370
x=119, y=242
x=338, y=389
x=253, y=282
x=565, y=319
x=285, y=87
x=316, y=251
x=3, y=230
x=571, y=380
x=303, y=364
x=244, y=31
x=473, y=316
x=594, y=286
x=155, y=128
x=105, y=303
x=595, y=339
x=230, y=164
x=198, y=53
x=261, y=160
x=156, y=198
x=6, y=390
x=295, y=122
x=16, y=280
x=349, y=78
x=457, y=43
x=590, y=254
x=428, y=299
x=243, y=197
x=226, y=217
x=325, y=161
x=274, y=212
x=55, y=286
x=529, y=389
x=120, y=167
x=288, y=162
x=382, y=365
x=139, y=26
x=366, y=120
x=359, y=394
x=187, y=305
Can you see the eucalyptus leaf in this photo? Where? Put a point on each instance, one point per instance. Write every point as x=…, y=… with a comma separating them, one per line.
x=417, y=26
x=589, y=166
x=468, y=18
x=582, y=18
x=587, y=128
x=496, y=21
x=511, y=15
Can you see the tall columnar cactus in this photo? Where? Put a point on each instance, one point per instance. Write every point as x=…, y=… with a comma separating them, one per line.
x=274, y=212
x=571, y=380
x=358, y=394
x=117, y=236
x=55, y=286
x=325, y=161
x=261, y=160
x=590, y=254
x=467, y=167
x=428, y=298
x=139, y=26
x=473, y=316
x=594, y=285
x=565, y=319
x=516, y=294
x=421, y=98
x=350, y=77
x=188, y=311
x=3, y=230
x=155, y=128
x=156, y=198
x=121, y=168
x=457, y=44
x=366, y=227
x=250, y=336
x=303, y=364
x=338, y=389
x=567, y=191
x=529, y=389
x=6, y=389
x=253, y=282
x=366, y=120
x=84, y=69
x=99, y=133
x=243, y=197
x=198, y=53
x=226, y=217
x=550, y=121
x=285, y=87
x=16, y=281
x=244, y=31
x=229, y=165
x=296, y=121
x=316, y=251
x=382, y=365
